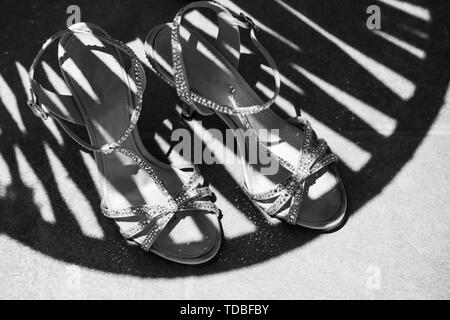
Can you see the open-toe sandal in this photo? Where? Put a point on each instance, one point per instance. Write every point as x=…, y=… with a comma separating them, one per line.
x=165, y=209
x=306, y=190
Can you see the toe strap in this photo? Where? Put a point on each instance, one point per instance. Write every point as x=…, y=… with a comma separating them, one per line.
x=292, y=189
x=313, y=157
x=152, y=219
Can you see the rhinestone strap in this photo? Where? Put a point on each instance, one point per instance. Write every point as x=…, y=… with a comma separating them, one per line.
x=204, y=205
x=139, y=74
x=252, y=132
x=312, y=159
x=192, y=98
x=145, y=165
x=153, y=219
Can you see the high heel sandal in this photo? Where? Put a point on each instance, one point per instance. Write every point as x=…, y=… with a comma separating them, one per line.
x=165, y=209
x=307, y=190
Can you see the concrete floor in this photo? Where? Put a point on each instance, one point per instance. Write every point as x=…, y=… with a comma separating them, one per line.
x=394, y=247
x=383, y=109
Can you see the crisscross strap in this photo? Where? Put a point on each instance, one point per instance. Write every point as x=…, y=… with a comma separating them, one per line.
x=63, y=107
x=226, y=18
x=153, y=219
x=313, y=157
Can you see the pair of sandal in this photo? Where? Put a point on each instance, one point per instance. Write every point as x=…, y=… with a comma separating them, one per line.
x=159, y=206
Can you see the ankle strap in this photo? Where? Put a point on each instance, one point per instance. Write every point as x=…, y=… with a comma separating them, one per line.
x=63, y=107
x=225, y=18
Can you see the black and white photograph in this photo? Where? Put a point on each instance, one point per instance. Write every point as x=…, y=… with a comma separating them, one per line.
x=225, y=150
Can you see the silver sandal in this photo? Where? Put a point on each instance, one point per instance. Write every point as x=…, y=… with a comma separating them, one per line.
x=307, y=190
x=165, y=209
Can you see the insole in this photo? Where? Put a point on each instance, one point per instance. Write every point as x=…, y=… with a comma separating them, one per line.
x=101, y=85
x=210, y=75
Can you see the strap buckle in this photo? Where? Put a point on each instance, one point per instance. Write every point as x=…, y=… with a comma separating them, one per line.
x=248, y=21
x=187, y=112
x=109, y=148
x=37, y=109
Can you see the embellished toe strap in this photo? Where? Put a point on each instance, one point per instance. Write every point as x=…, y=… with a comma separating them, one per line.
x=153, y=219
x=194, y=196
x=313, y=157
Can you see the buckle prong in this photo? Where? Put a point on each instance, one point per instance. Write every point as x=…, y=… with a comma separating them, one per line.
x=37, y=109
x=247, y=20
x=109, y=148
